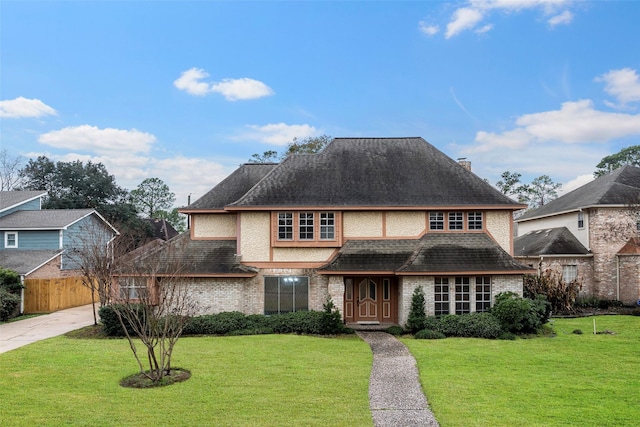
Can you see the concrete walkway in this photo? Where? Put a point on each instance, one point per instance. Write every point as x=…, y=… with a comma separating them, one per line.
x=22, y=332
x=395, y=395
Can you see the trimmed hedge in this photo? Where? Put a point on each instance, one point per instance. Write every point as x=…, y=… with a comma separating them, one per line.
x=429, y=334
x=472, y=325
x=521, y=315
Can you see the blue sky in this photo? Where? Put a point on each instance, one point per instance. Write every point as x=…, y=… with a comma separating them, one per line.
x=187, y=91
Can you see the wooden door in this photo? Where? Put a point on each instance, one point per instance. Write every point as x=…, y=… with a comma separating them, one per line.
x=367, y=303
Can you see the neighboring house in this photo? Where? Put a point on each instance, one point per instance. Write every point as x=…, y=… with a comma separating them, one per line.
x=42, y=246
x=363, y=223
x=162, y=229
x=590, y=234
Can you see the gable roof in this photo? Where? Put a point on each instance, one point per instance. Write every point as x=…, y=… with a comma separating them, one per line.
x=618, y=188
x=434, y=253
x=25, y=262
x=11, y=199
x=48, y=219
x=232, y=187
x=371, y=172
x=192, y=258
x=552, y=241
x=162, y=229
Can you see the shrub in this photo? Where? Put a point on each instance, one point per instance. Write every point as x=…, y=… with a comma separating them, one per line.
x=415, y=321
x=111, y=323
x=507, y=336
x=216, y=324
x=520, y=315
x=472, y=325
x=8, y=303
x=428, y=334
x=395, y=330
x=635, y=311
x=10, y=280
x=560, y=294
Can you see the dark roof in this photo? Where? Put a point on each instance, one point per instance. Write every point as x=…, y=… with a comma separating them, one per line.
x=632, y=247
x=53, y=219
x=232, y=187
x=618, y=188
x=399, y=172
x=192, y=258
x=9, y=199
x=434, y=253
x=552, y=241
x=162, y=229
x=25, y=261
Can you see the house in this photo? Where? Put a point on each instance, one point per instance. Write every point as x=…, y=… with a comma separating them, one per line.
x=162, y=229
x=590, y=234
x=363, y=223
x=42, y=247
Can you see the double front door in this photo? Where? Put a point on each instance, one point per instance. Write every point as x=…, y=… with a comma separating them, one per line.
x=370, y=299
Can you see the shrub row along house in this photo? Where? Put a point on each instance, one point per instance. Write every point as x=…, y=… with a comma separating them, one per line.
x=591, y=234
x=42, y=246
x=363, y=223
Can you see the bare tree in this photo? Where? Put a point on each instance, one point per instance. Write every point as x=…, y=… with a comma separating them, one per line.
x=10, y=170
x=153, y=303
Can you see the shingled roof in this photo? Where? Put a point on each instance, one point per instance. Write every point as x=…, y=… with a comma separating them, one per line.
x=193, y=258
x=552, y=241
x=53, y=219
x=10, y=199
x=232, y=187
x=618, y=188
x=434, y=253
x=24, y=262
x=370, y=172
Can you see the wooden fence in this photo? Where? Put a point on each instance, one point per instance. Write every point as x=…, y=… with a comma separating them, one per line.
x=47, y=295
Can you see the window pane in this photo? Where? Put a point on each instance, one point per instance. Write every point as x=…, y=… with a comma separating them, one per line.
x=349, y=289
x=436, y=220
x=475, y=220
x=285, y=226
x=301, y=294
x=327, y=226
x=271, y=295
x=372, y=290
x=455, y=221
x=569, y=273
x=306, y=225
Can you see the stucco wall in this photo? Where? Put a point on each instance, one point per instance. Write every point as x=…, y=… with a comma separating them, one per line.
x=405, y=224
x=255, y=236
x=302, y=254
x=362, y=224
x=214, y=225
x=499, y=226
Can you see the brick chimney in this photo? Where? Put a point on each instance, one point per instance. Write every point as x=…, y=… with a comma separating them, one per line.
x=462, y=161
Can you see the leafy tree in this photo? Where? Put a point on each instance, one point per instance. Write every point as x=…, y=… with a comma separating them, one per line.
x=175, y=218
x=10, y=287
x=9, y=170
x=541, y=191
x=626, y=156
x=152, y=195
x=417, y=314
x=309, y=145
x=511, y=186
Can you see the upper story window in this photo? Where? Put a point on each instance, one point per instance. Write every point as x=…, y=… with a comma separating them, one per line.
x=285, y=226
x=474, y=220
x=456, y=221
x=580, y=219
x=305, y=228
x=11, y=239
x=436, y=220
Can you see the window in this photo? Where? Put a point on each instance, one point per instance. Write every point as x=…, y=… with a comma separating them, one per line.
x=285, y=294
x=580, y=220
x=436, y=221
x=285, y=226
x=455, y=221
x=463, y=295
x=306, y=225
x=569, y=273
x=441, y=295
x=11, y=239
x=327, y=226
x=132, y=288
x=483, y=293
x=474, y=221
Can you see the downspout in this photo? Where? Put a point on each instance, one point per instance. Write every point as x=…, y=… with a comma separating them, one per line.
x=617, y=277
x=22, y=294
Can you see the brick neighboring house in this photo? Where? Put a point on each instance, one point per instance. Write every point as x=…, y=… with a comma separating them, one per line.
x=592, y=234
x=363, y=223
x=39, y=244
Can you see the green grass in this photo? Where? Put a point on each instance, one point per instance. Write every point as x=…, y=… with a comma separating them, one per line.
x=567, y=380
x=265, y=380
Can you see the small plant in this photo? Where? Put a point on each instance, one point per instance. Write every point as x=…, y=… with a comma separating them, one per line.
x=417, y=315
x=577, y=331
x=507, y=336
x=428, y=334
x=395, y=330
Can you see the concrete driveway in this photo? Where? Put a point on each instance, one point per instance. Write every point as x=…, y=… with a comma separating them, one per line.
x=23, y=332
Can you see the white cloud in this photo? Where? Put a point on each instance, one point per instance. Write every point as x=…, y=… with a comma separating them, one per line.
x=231, y=89
x=280, y=133
x=427, y=29
x=473, y=12
x=564, y=18
x=23, y=107
x=623, y=84
x=576, y=182
x=93, y=139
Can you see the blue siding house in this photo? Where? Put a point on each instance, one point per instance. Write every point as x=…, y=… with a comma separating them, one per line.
x=44, y=243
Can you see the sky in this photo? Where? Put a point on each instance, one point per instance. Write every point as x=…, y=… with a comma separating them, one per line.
x=188, y=91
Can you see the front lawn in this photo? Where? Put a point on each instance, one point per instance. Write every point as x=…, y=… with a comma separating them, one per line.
x=567, y=380
x=267, y=380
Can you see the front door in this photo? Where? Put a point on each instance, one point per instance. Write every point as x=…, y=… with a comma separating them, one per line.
x=370, y=299
x=367, y=302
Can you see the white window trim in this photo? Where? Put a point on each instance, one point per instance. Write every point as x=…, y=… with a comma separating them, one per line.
x=6, y=239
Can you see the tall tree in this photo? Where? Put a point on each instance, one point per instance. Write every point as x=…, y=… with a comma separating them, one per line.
x=151, y=196
x=308, y=145
x=10, y=170
x=541, y=191
x=626, y=156
x=511, y=186
x=270, y=156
